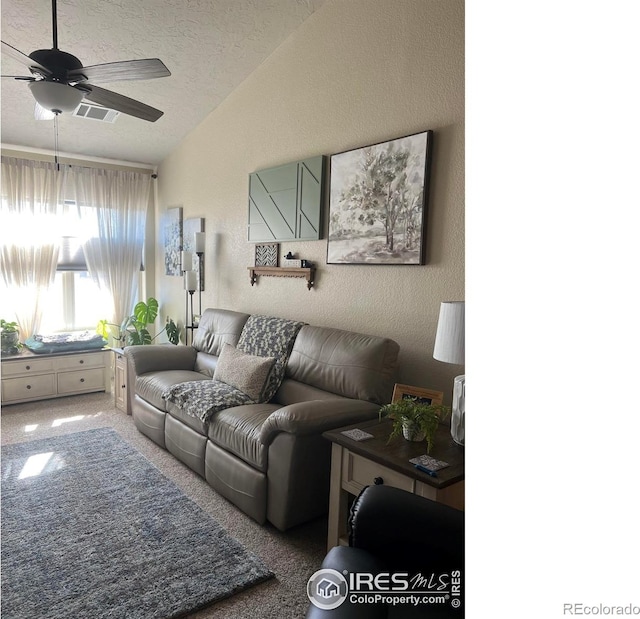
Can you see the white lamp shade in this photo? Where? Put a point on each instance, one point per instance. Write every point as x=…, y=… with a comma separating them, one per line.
x=449, y=346
x=190, y=280
x=56, y=97
x=199, y=242
x=186, y=260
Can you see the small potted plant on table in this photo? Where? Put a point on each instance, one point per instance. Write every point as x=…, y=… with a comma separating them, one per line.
x=414, y=420
x=9, y=337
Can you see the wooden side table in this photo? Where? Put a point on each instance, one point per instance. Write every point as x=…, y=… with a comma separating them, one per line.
x=120, y=381
x=356, y=464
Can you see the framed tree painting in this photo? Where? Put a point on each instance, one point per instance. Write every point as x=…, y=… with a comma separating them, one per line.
x=172, y=240
x=378, y=200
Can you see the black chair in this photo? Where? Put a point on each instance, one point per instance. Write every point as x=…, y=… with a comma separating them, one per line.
x=393, y=531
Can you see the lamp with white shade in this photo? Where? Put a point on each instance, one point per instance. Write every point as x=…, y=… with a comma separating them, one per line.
x=449, y=348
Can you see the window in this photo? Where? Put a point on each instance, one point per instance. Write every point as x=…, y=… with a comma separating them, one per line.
x=74, y=301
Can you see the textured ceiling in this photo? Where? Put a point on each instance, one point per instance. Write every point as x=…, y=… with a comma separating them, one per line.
x=210, y=47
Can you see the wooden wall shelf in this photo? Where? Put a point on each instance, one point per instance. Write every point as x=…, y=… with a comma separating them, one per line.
x=308, y=273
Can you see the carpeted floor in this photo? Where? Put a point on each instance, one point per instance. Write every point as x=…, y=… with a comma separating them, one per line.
x=92, y=526
x=292, y=556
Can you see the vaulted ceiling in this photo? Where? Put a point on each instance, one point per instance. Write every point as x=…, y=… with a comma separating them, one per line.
x=210, y=47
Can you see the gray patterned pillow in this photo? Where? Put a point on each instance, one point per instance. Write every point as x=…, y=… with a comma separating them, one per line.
x=245, y=372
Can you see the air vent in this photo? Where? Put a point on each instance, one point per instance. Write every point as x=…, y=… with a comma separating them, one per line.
x=94, y=112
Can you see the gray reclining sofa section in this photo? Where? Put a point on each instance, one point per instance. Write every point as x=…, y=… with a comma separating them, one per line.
x=269, y=459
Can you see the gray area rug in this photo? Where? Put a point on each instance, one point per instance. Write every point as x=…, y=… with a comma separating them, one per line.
x=90, y=528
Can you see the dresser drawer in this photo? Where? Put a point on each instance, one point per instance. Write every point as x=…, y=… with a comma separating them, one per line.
x=82, y=380
x=358, y=472
x=26, y=366
x=77, y=362
x=28, y=387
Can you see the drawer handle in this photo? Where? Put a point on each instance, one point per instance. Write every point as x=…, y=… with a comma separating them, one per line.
x=81, y=361
x=123, y=387
x=28, y=386
x=378, y=481
x=28, y=367
x=82, y=380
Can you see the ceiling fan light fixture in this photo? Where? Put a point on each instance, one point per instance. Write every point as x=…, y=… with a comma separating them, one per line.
x=56, y=97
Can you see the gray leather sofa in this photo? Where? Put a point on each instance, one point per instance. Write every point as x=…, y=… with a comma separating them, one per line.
x=268, y=459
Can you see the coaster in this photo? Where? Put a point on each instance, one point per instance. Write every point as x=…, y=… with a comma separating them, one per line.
x=429, y=463
x=357, y=435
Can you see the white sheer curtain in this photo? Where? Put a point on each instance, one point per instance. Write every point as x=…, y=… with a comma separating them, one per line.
x=118, y=201
x=28, y=242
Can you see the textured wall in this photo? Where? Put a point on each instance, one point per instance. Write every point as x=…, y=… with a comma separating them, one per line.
x=353, y=74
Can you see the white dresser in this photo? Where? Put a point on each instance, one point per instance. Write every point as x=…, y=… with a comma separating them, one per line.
x=28, y=377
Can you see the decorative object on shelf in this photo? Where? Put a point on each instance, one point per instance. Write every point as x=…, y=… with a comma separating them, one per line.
x=285, y=202
x=266, y=255
x=173, y=240
x=290, y=261
x=193, y=229
x=133, y=330
x=9, y=337
x=449, y=348
x=378, y=200
x=308, y=273
x=414, y=420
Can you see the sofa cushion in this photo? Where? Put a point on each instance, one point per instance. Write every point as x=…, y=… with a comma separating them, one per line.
x=243, y=371
x=351, y=364
x=237, y=430
x=217, y=327
x=205, y=363
x=151, y=386
x=201, y=427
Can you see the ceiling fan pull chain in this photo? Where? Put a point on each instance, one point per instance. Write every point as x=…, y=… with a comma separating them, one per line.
x=55, y=142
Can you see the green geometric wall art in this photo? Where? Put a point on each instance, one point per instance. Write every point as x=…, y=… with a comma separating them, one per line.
x=285, y=202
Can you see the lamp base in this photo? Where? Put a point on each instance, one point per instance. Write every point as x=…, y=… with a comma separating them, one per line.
x=457, y=410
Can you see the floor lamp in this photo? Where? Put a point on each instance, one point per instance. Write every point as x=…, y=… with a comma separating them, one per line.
x=200, y=243
x=190, y=282
x=449, y=348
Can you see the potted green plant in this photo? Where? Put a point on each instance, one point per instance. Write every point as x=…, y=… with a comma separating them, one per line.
x=414, y=420
x=9, y=337
x=133, y=330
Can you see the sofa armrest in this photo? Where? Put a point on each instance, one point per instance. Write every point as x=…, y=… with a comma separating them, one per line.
x=159, y=357
x=316, y=417
x=407, y=531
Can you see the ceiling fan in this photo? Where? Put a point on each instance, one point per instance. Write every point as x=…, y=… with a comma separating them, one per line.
x=59, y=82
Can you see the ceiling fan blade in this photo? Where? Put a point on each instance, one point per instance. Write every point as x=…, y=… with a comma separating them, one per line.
x=21, y=77
x=16, y=54
x=120, y=103
x=146, y=69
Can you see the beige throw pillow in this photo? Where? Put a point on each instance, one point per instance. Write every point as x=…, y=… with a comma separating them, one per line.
x=245, y=372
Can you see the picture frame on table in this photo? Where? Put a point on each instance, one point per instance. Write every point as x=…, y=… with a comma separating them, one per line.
x=423, y=396
x=378, y=202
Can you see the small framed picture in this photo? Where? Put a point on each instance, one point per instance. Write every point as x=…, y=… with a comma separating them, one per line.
x=267, y=255
x=424, y=396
